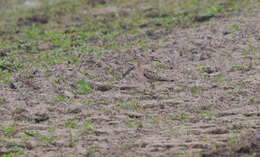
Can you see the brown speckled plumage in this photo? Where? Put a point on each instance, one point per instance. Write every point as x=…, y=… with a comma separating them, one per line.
x=144, y=72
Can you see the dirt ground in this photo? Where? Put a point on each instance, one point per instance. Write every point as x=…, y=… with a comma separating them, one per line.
x=211, y=109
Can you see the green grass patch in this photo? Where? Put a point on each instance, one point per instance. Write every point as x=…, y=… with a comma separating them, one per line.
x=9, y=130
x=83, y=87
x=71, y=124
x=195, y=90
x=220, y=78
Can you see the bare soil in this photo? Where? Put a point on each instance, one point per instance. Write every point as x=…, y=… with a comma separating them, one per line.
x=211, y=109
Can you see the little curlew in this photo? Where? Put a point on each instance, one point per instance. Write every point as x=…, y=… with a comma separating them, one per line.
x=144, y=72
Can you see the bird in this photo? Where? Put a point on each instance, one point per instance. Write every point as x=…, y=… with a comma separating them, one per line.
x=144, y=72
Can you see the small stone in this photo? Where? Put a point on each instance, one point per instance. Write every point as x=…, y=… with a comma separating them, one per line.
x=134, y=115
x=74, y=110
x=218, y=131
x=204, y=56
x=152, y=14
x=101, y=87
x=12, y=86
x=100, y=132
x=41, y=117
x=203, y=18
x=226, y=32
x=44, y=46
x=69, y=94
x=210, y=70
x=96, y=2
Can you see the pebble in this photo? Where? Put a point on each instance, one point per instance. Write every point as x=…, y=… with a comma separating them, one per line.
x=12, y=86
x=69, y=94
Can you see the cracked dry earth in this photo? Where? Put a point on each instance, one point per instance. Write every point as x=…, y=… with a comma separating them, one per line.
x=211, y=109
